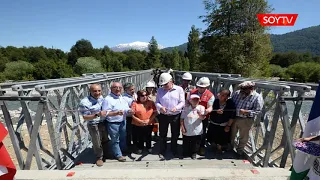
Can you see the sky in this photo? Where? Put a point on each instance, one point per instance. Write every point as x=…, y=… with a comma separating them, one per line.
x=60, y=24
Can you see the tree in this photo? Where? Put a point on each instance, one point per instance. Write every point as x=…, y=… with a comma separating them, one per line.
x=153, y=58
x=175, y=61
x=82, y=48
x=88, y=65
x=234, y=41
x=19, y=70
x=185, y=64
x=193, y=48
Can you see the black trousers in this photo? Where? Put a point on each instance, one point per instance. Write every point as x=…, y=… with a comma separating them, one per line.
x=204, y=135
x=217, y=135
x=191, y=144
x=164, y=121
x=131, y=134
x=144, y=135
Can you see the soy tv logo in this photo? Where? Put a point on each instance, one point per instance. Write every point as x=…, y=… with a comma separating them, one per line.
x=277, y=19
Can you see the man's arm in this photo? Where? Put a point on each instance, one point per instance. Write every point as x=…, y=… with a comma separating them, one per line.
x=158, y=104
x=181, y=100
x=85, y=111
x=106, y=106
x=210, y=105
x=257, y=106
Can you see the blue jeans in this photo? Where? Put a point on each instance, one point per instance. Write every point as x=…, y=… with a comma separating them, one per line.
x=117, y=132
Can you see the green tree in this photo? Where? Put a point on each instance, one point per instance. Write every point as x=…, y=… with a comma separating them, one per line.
x=304, y=72
x=234, y=41
x=19, y=70
x=175, y=61
x=193, y=48
x=82, y=48
x=3, y=61
x=153, y=58
x=185, y=64
x=88, y=65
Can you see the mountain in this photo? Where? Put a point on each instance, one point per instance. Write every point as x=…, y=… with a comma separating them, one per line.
x=182, y=47
x=303, y=40
x=142, y=46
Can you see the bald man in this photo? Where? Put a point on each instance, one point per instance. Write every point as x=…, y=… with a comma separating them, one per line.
x=90, y=108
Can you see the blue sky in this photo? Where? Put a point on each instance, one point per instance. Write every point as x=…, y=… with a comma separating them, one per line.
x=105, y=22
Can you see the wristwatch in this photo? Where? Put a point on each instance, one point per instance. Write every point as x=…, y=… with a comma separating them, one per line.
x=96, y=115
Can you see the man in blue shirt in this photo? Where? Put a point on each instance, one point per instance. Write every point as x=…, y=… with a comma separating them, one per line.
x=130, y=96
x=90, y=108
x=116, y=108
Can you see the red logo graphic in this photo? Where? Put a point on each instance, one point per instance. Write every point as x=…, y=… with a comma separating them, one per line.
x=277, y=19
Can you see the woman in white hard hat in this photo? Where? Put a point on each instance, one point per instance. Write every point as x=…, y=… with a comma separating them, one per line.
x=186, y=80
x=206, y=100
x=152, y=94
x=170, y=102
x=151, y=91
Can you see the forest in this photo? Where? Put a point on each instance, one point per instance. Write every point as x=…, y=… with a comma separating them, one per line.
x=233, y=42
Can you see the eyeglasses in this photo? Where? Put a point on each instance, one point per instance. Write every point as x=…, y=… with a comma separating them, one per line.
x=117, y=87
x=143, y=95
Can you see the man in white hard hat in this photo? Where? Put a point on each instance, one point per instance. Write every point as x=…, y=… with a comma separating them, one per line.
x=206, y=99
x=170, y=101
x=186, y=86
x=248, y=103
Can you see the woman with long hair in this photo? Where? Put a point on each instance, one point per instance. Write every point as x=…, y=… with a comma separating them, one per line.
x=143, y=119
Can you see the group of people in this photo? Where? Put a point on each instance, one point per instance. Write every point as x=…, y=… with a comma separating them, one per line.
x=128, y=118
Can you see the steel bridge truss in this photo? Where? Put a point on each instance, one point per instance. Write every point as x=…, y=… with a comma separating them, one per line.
x=270, y=142
x=56, y=133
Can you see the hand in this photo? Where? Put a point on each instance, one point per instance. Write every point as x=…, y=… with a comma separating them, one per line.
x=227, y=129
x=174, y=109
x=202, y=117
x=183, y=130
x=130, y=111
x=120, y=112
x=206, y=112
x=163, y=110
x=243, y=111
x=103, y=113
x=220, y=111
x=304, y=139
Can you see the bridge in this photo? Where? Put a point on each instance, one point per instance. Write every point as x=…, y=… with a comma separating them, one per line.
x=49, y=138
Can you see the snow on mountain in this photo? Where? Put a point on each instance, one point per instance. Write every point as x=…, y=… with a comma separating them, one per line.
x=134, y=45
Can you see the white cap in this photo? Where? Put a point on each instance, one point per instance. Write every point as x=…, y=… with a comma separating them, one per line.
x=246, y=84
x=203, y=82
x=150, y=84
x=164, y=78
x=187, y=76
x=194, y=96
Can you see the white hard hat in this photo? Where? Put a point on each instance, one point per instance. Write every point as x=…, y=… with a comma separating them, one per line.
x=187, y=76
x=203, y=82
x=164, y=78
x=150, y=84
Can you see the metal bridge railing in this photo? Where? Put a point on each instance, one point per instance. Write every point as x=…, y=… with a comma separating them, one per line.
x=270, y=143
x=49, y=130
x=55, y=134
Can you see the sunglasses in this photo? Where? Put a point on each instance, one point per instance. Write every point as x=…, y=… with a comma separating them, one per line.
x=143, y=95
